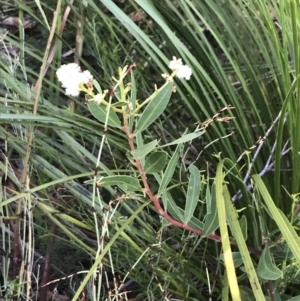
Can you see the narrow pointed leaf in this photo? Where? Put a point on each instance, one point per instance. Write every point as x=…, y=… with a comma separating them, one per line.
x=100, y=112
x=154, y=108
x=193, y=192
x=185, y=138
x=128, y=183
x=169, y=170
x=97, y=86
x=211, y=221
x=168, y=201
x=169, y=204
x=144, y=150
x=156, y=162
x=208, y=198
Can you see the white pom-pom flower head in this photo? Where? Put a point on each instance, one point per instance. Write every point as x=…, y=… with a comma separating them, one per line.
x=71, y=78
x=175, y=64
x=181, y=71
x=184, y=72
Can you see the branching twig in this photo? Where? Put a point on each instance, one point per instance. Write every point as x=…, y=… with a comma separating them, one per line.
x=268, y=166
x=155, y=200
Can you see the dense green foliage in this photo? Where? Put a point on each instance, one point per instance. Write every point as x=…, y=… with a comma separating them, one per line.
x=244, y=54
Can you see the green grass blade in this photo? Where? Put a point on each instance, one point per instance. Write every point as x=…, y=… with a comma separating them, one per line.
x=228, y=258
x=282, y=222
x=239, y=237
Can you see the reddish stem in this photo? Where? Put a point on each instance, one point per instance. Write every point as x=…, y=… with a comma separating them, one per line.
x=155, y=199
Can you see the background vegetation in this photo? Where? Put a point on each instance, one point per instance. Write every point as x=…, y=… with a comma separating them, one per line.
x=53, y=224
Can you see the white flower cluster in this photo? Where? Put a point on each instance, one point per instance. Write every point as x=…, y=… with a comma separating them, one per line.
x=183, y=71
x=71, y=77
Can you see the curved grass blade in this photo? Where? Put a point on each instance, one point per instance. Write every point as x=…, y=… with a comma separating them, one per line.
x=282, y=222
x=228, y=258
x=239, y=237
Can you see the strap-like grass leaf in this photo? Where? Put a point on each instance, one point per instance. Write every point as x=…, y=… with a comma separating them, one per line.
x=238, y=235
x=128, y=183
x=100, y=112
x=244, y=226
x=169, y=170
x=266, y=269
x=156, y=162
x=154, y=108
x=286, y=228
x=193, y=192
x=144, y=150
x=228, y=260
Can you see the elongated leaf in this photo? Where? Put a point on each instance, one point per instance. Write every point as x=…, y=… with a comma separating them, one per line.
x=38, y=3
x=282, y=222
x=156, y=162
x=168, y=201
x=170, y=204
x=266, y=269
x=119, y=104
x=169, y=170
x=238, y=235
x=139, y=144
x=144, y=150
x=211, y=221
x=185, y=138
x=129, y=183
x=132, y=99
x=208, y=198
x=154, y=108
x=294, y=298
x=100, y=112
x=193, y=192
x=65, y=217
x=194, y=222
x=97, y=86
x=244, y=226
x=228, y=259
